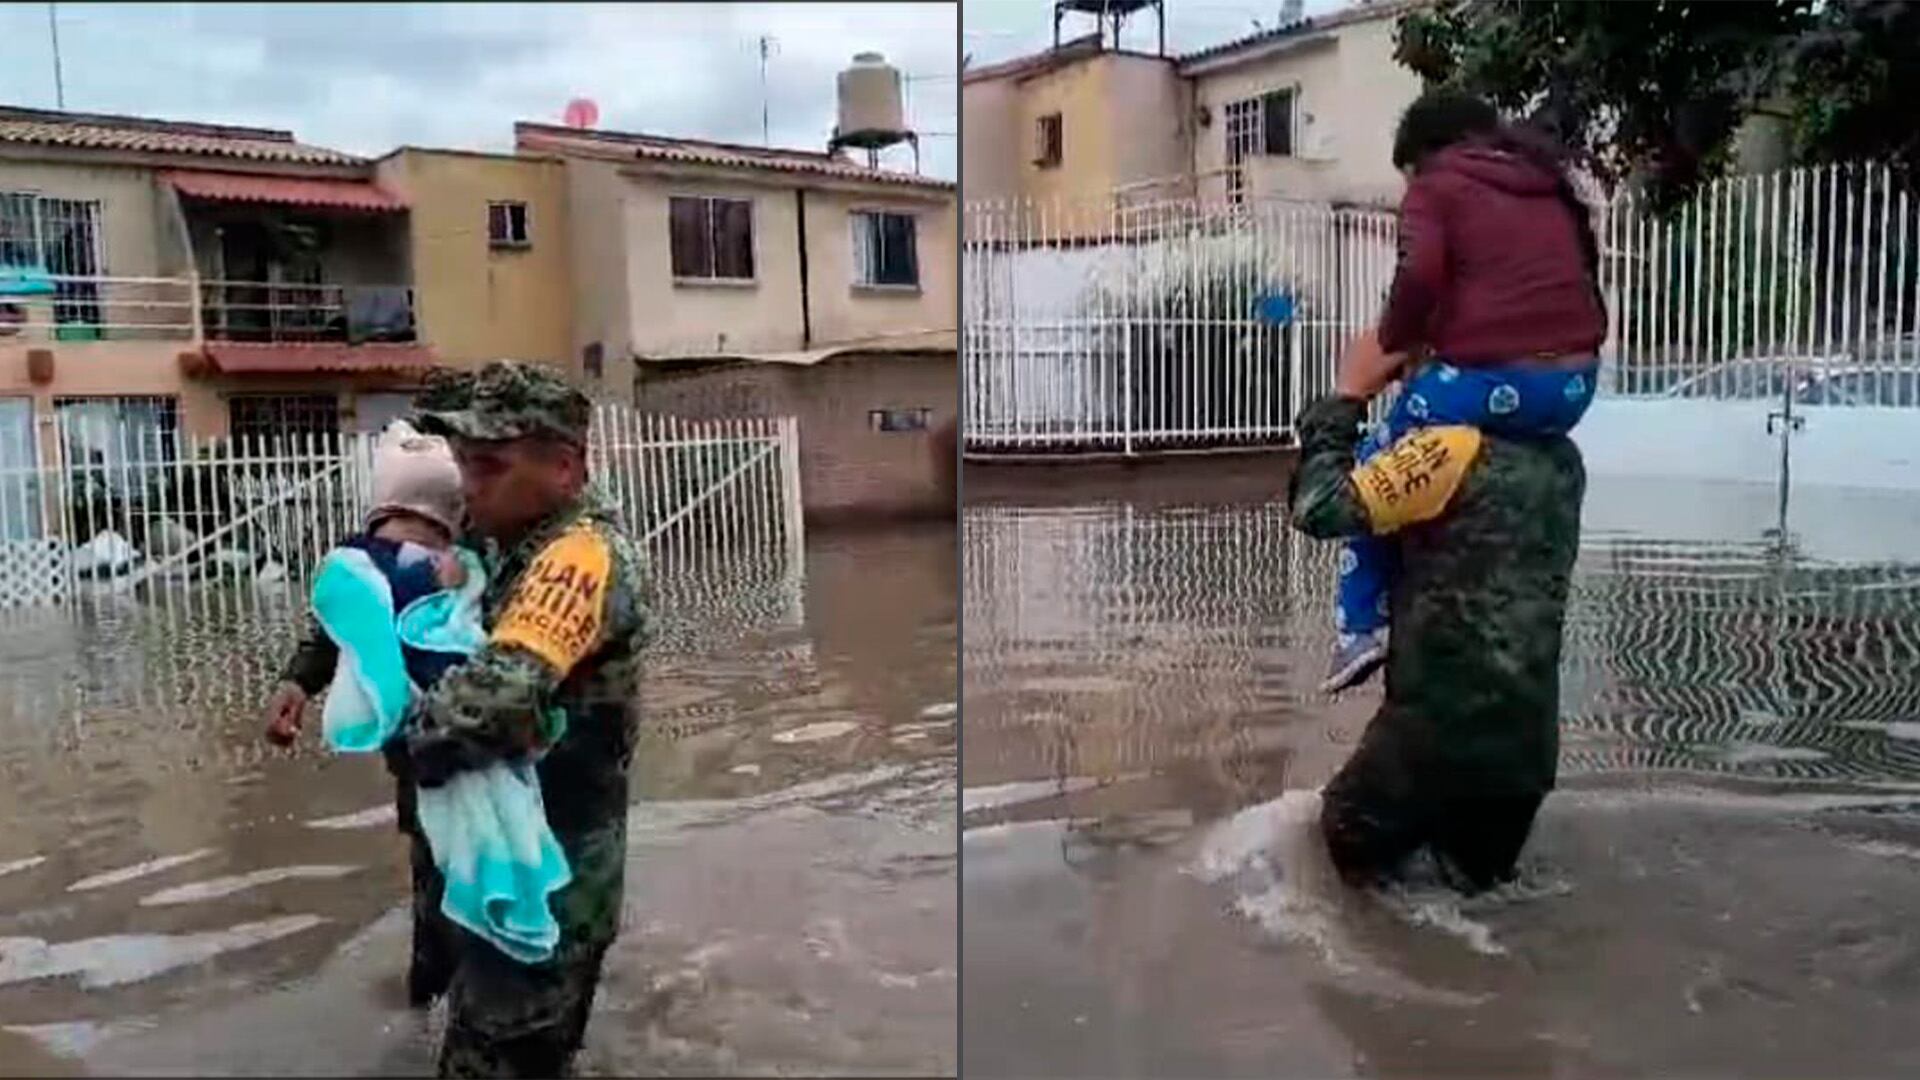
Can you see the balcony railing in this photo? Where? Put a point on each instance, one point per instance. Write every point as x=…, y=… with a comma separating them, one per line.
x=256, y=311
x=41, y=307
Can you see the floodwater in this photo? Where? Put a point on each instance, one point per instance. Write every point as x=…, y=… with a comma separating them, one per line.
x=1727, y=882
x=176, y=897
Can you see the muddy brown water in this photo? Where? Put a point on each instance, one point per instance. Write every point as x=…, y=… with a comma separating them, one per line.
x=178, y=898
x=1726, y=884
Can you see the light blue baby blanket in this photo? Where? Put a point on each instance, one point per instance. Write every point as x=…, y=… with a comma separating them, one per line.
x=487, y=827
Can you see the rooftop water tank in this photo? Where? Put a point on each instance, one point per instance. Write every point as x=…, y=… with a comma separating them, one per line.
x=871, y=114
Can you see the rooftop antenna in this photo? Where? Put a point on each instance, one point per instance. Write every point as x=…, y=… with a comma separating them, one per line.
x=59, y=83
x=768, y=46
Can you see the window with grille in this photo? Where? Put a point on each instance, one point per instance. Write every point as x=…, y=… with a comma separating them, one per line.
x=108, y=439
x=884, y=250
x=273, y=416
x=60, y=237
x=1051, y=147
x=1243, y=141
x=507, y=225
x=711, y=239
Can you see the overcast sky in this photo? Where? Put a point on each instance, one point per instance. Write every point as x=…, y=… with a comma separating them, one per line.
x=367, y=77
x=997, y=30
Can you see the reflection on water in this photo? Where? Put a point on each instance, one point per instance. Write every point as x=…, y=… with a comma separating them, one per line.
x=1105, y=640
x=1146, y=895
x=162, y=861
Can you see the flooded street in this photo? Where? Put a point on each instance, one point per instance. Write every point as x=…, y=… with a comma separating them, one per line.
x=178, y=897
x=1726, y=883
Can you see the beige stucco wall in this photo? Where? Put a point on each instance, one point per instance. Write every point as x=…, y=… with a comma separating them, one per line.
x=130, y=208
x=1352, y=93
x=668, y=318
x=1151, y=120
x=1124, y=120
x=475, y=302
x=596, y=207
x=843, y=311
x=680, y=318
x=993, y=156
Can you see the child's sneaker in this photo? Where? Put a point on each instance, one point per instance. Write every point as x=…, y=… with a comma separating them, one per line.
x=1355, y=658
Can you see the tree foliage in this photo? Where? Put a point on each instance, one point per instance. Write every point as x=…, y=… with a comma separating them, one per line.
x=1656, y=91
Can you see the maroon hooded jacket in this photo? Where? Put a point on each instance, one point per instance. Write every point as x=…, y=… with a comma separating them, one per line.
x=1495, y=266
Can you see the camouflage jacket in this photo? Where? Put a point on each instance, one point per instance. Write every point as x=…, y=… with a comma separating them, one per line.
x=1487, y=532
x=566, y=616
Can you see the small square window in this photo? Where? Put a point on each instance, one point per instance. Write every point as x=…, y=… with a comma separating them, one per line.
x=899, y=419
x=507, y=225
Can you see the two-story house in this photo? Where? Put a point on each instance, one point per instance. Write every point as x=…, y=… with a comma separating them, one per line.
x=1305, y=111
x=209, y=279
x=715, y=280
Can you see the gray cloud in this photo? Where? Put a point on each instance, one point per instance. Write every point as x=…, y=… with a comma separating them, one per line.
x=367, y=77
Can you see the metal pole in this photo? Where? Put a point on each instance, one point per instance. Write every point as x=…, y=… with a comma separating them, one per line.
x=766, y=139
x=53, y=29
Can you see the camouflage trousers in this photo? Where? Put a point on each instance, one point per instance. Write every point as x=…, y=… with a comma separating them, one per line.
x=1377, y=812
x=508, y=1019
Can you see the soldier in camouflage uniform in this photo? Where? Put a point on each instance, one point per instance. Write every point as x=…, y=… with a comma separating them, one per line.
x=1465, y=745
x=566, y=618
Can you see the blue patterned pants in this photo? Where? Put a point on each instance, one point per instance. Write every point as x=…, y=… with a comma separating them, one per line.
x=1511, y=402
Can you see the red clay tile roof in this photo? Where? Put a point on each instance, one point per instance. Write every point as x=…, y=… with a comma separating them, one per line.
x=1362, y=11
x=131, y=133
x=622, y=146
x=234, y=358
x=283, y=190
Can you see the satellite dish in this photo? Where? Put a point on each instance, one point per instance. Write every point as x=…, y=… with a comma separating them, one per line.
x=581, y=113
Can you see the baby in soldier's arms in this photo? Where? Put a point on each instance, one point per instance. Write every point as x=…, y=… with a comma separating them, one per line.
x=409, y=538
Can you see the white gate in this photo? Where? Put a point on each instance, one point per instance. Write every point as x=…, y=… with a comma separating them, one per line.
x=114, y=509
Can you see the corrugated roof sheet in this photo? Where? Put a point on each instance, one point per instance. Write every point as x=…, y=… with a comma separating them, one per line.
x=236, y=358
x=623, y=146
x=1366, y=11
x=141, y=135
x=284, y=190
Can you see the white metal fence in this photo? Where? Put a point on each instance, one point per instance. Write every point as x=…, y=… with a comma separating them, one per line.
x=1151, y=327
x=1804, y=281
x=110, y=508
x=1116, y=327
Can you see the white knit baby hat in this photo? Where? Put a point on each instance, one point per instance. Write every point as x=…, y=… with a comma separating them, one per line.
x=416, y=473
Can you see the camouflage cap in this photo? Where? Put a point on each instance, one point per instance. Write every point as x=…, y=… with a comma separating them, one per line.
x=506, y=399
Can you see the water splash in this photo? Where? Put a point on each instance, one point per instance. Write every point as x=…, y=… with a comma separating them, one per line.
x=1284, y=883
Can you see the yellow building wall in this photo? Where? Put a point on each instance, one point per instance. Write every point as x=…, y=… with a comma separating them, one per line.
x=844, y=311
x=680, y=318
x=476, y=302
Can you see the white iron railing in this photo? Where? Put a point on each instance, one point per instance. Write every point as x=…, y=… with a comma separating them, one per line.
x=112, y=509
x=1808, y=276
x=95, y=308
x=1128, y=328
x=1107, y=326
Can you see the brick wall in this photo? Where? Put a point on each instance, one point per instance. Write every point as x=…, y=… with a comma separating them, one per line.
x=848, y=470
